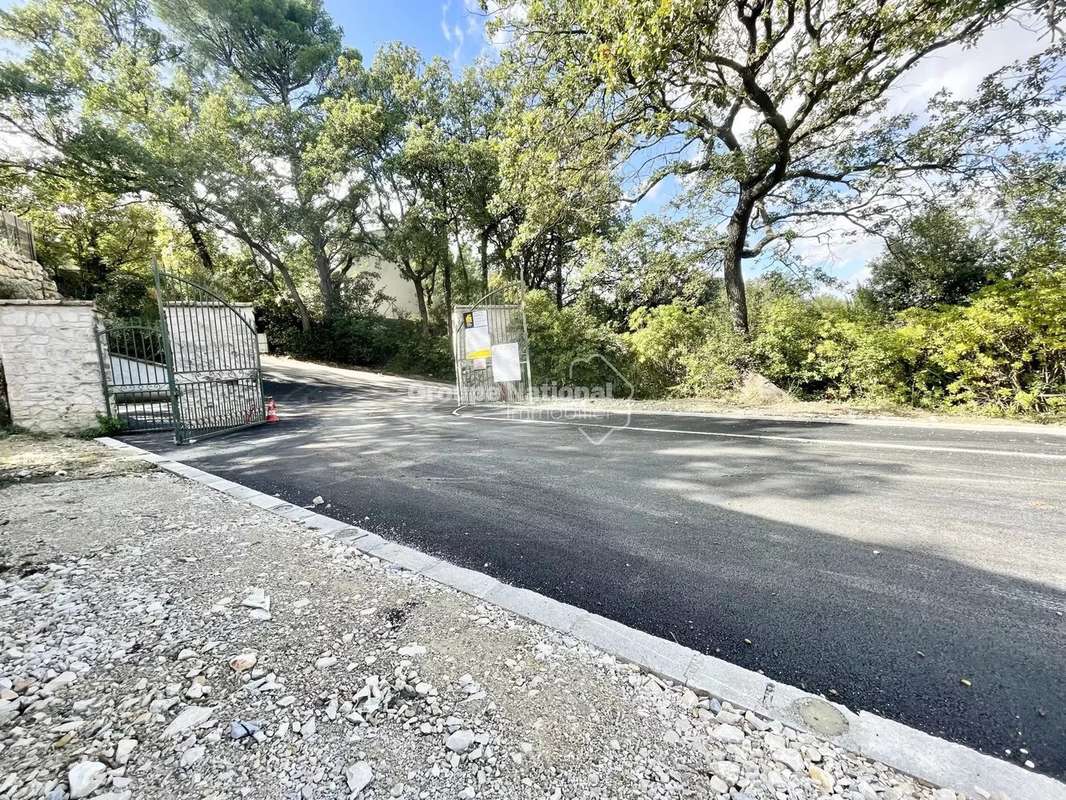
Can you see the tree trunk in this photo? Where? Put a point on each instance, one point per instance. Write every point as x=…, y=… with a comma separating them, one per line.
x=558, y=272
x=423, y=309
x=732, y=274
x=326, y=286
x=294, y=293
x=464, y=274
x=282, y=270
x=198, y=241
x=483, y=247
x=448, y=286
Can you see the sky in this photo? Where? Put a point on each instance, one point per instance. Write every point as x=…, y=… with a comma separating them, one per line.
x=453, y=29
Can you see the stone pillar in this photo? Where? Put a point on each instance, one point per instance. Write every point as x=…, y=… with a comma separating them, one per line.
x=51, y=364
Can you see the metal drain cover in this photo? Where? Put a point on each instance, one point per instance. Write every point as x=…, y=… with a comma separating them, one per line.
x=821, y=717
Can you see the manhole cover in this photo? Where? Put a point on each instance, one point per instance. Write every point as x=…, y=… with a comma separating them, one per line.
x=821, y=717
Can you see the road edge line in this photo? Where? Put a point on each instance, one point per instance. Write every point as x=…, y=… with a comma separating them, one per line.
x=1050, y=428
x=936, y=761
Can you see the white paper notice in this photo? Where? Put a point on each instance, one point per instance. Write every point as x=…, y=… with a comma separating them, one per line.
x=477, y=342
x=505, y=363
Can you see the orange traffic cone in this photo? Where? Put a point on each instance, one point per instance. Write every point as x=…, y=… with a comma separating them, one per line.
x=272, y=410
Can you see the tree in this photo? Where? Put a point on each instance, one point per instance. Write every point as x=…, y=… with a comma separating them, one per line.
x=553, y=194
x=284, y=168
x=646, y=265
x=84, y=104
x=83, y=237
x=1032, y=197
x=772, y=111
x=227, y=127
x=936, y=259
x=476, y=104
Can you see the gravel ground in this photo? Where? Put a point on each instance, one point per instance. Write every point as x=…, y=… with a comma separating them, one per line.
x=161, y=640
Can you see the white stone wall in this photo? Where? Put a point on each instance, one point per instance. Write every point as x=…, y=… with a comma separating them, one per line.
x=214, y=359
x=51, y=364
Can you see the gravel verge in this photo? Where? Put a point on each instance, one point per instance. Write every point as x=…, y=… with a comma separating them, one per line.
x=161, y=640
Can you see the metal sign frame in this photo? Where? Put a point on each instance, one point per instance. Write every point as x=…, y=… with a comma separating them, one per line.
x=506, y=324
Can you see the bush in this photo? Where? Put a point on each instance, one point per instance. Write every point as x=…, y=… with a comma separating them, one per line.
x=1004, y=353
x=785, y=333
x=661, y=339
x=397, y=345
x=716, y=367
x=856, y=355
x=568, y=346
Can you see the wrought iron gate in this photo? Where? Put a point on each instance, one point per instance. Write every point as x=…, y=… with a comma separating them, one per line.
x=195, y=369
x=137, y=386
x=212, y=352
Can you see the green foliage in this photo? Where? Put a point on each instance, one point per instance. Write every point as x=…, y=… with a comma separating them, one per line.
x=105, y=426
x=648, y=263
x=660, y=339
x=396, y=345
x=936, y=259
x=772, y=114
x=1004, y=352
x=569, y=346
x=127, y=295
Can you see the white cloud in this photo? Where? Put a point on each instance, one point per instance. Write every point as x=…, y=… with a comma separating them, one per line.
x=843, y=251
x=960, y=69
x=445, y=28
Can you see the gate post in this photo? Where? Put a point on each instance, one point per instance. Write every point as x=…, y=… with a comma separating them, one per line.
x=168, y=356
x=105, y=367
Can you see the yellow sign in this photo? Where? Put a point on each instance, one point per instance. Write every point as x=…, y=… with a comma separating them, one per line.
x=478, y=343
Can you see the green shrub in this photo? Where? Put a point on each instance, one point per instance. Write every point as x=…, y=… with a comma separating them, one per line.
x=105, y=426
x=662, y=340
x=856, y=356
x=718, y=364
x=568, y=346
x=785, y=335
x=398, y=345
x=1003, y=353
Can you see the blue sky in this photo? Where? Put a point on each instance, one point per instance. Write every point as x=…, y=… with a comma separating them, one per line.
x=437, y=28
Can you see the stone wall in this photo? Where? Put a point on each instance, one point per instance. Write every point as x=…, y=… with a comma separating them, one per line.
x=51, y=364
x=23, y=279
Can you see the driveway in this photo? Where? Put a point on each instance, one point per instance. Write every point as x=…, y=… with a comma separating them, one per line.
x=880, y=565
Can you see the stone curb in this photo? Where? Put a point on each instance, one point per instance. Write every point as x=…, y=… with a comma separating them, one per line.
x=928, y=758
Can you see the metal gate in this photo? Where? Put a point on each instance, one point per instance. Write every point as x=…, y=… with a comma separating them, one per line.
x=137, y=386
x=212, y=352
x=491, y=348
x=194, y=370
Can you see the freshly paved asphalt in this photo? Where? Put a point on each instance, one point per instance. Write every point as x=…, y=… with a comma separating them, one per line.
x=876, y=564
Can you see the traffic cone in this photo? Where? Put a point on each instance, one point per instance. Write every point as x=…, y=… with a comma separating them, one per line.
x=272, y=410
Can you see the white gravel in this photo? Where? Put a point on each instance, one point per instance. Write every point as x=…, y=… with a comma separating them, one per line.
x=160, y=640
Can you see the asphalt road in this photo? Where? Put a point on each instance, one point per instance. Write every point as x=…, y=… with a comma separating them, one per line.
x=876, y=564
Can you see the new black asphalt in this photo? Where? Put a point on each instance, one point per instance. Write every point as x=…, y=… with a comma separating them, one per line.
x=880, y=565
